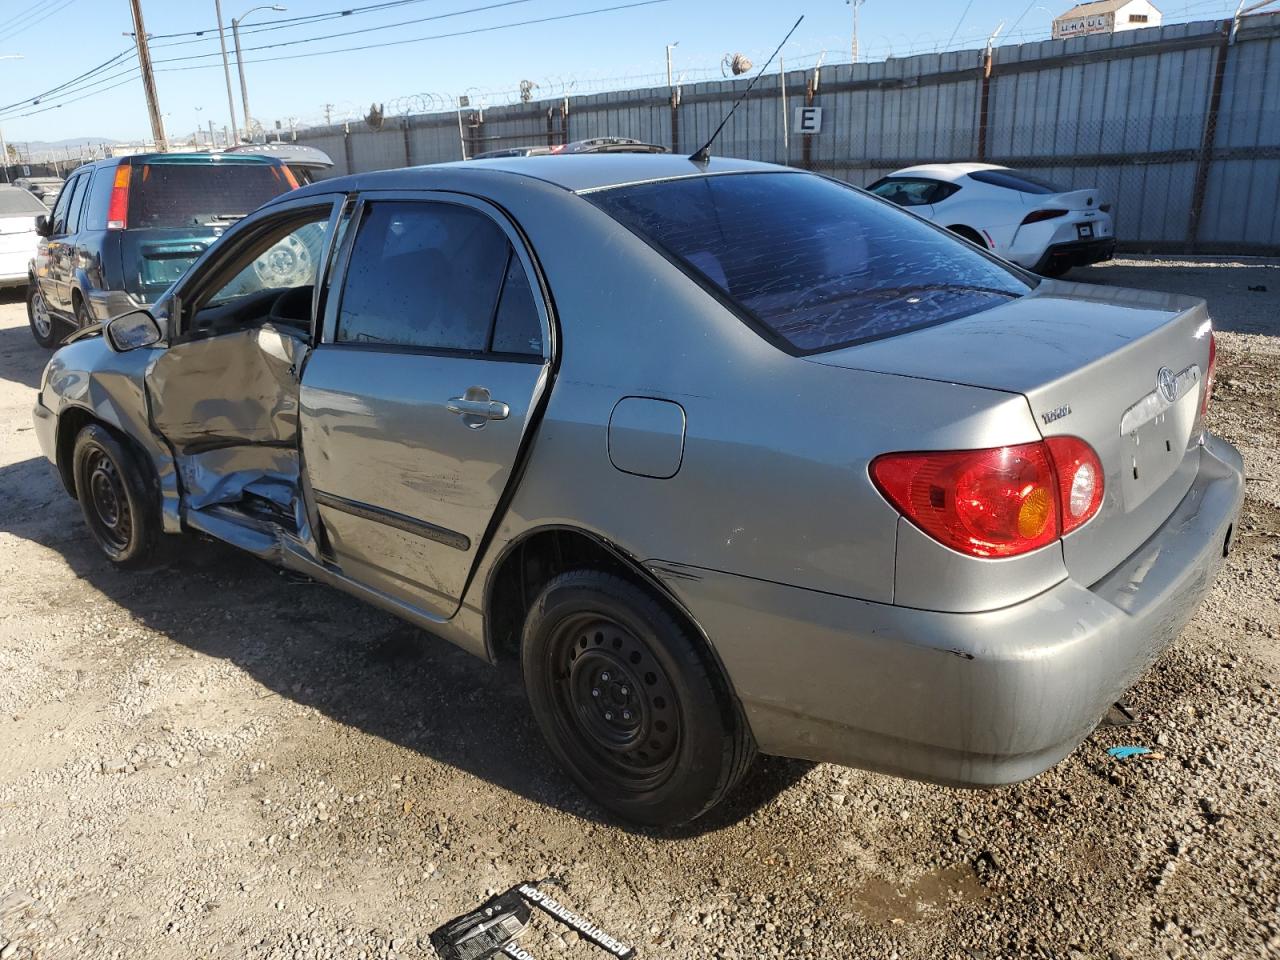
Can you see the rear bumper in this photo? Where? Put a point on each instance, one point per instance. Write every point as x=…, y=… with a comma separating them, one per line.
x=976, y=699
x=1076, y=253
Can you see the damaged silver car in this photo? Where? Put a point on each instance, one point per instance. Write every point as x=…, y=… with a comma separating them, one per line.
x=731, y=458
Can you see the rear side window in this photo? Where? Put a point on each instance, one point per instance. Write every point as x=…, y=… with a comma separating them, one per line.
x=95, y=213
x=197, y=194
x=1018, y=180
x=74, y=219
x=59, y=219
x=813, y=264
x=431, y=275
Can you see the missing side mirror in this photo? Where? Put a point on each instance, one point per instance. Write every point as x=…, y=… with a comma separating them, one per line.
x=129, y=331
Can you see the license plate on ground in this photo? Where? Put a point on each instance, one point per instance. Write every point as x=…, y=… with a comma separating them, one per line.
x=1085, y=230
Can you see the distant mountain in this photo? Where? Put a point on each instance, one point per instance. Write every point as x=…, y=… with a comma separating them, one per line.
x=68, y=142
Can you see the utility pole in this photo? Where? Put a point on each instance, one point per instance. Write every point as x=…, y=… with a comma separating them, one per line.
x=148, y=77
x=328, y=115
x=213, y=140
x=226, y=67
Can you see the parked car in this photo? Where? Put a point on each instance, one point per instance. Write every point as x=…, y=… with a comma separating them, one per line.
x=728, y=456
x=45, y=189
x=594, y=145
x=304, y=161
x=1015, y=214
x=18, y=238
x=123, y=229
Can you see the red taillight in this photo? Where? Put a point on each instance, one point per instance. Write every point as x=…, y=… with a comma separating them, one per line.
x=1079, y=474
x=118, y=209
x=1208, y=377
x=1035, y=216
x=999, y=502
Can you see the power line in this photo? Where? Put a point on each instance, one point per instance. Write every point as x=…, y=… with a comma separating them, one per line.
x=17, y=27
x=352, y=33
x=58, y=106
x=437, y=36
x=285, y=22
x=105, y=65
x=959, y=22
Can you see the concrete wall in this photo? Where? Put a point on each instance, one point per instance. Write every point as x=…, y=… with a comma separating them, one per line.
x=1177, y=126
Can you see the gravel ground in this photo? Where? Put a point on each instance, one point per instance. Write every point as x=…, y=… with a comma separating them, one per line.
x=217, y=760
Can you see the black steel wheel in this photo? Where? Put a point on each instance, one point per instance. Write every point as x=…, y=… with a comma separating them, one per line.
x=119, y=504
x=630, y=700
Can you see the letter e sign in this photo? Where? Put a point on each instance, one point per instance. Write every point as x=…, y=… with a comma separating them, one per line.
x=808, y=120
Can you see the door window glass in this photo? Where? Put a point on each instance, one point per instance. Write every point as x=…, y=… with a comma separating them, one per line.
x=284, y=258
x=59, y=218
x=77, y=204
x=423, y=275
x=517, y=328
x=903, y=192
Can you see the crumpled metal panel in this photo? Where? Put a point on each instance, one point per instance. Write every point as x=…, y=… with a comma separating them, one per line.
x=225, y=474
x=239, y=388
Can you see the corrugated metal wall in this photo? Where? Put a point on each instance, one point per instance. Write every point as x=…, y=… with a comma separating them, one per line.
x=1179, y=127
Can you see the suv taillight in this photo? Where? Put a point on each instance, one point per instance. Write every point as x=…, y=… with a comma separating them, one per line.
x=999, y=502
x=118, y=208
x=1208, y=377
x=1035, y=216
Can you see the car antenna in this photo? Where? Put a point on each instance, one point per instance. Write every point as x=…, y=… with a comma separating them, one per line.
x=703, y=155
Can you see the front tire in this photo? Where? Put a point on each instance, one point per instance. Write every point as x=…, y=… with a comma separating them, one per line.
x=45, y=327
x=83, y=316
x=630, y=702
x=119, y=505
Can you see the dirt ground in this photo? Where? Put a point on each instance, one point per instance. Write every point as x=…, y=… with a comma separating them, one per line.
x=218, y=760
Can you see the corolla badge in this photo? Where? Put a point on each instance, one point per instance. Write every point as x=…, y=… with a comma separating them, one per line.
x=1167, y=384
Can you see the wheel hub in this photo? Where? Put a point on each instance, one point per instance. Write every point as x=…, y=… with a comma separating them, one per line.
x=619, y=698
x=40, y=315
x=109, y=502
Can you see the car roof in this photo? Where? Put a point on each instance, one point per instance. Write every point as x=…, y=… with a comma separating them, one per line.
x=574, y=172
x=949, y=172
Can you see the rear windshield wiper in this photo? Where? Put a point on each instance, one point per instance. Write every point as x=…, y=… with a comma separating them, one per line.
x=224, y=217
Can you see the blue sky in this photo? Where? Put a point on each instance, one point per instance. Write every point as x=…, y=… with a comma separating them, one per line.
x=583, y=54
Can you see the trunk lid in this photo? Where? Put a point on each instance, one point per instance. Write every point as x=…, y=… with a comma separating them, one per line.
x=153, y=259
x=1123, y=370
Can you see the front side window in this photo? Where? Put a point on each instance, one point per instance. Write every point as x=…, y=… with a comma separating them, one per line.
x=58, y=222
x=77, y=204
x=813, y=264
x=284, y=258
x=436, y=276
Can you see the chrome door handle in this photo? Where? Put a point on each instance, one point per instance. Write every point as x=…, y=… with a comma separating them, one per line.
x=489, y=409
x=477, y=408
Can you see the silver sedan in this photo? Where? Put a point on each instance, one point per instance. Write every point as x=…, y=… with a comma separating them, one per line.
x=730, y=457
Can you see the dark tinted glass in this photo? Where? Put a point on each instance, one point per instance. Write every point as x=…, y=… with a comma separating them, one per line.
x=905, y=192
x=195, y=194
x=16, y=202
x=1018, y=180
x=423, y=275
x=817, y=264
x=59, y=218
x=517, y=328
x=74, y=218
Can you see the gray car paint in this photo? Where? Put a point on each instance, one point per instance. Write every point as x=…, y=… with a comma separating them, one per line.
x=770, y=533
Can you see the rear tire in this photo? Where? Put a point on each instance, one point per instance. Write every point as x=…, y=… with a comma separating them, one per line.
x=119, y=505
x=630, y=702
x=45, y=327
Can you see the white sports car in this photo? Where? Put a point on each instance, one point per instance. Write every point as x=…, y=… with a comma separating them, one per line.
x=1015, y=214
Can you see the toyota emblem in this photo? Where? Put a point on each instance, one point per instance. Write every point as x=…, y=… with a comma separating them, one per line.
x=1167, y=384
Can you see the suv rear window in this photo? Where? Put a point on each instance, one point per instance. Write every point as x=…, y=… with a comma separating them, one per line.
x=812, y=263
x=195, y=194
x=1018, y=180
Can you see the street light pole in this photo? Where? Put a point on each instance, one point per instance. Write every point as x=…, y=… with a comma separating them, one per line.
x=244, y=87
x=4, y=147
x=226, y=69
x=855, y=4
x=670, y=47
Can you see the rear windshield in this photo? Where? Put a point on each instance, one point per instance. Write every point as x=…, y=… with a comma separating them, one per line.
x=813, y=263
x=14, y=201
x=196, y=194
x=1018, y=180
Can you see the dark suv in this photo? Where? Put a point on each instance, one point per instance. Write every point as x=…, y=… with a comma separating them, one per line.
x=123, y=229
